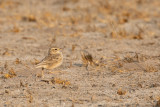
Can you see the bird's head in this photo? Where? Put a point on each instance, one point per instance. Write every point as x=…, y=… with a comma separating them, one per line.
x=54, y=50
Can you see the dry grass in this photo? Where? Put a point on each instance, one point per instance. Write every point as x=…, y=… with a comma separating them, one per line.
x=22, y=84
x=10, y=74
x=150, y=68
x=129, y=59
x=48, y=19
x=116, y=64
x=120, y=33
x=29, y=18
x=29, y=96
x=6, y=53
x=73, y=47
x=134, y=58
x=60, y=81
x=16, y=29
x=87, y=58
x=57, y=81
x=6, y=65
x=158, y=103
x=17, y=61
x=121, y=92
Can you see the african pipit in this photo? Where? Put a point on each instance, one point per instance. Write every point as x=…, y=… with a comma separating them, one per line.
x=52, y=60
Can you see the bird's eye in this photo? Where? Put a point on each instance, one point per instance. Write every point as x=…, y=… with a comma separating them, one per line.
x=55, y=49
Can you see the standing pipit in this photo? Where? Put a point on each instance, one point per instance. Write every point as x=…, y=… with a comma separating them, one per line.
x=53, y=60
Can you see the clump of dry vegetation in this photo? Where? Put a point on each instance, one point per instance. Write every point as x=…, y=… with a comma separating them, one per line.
x=6, y=65
x=87, y=59
x=130, y=57
x=57, y=81
x=60, y=81
x=73, y=47
x=22, y=84
x=121, y=92
x=118, y=64
x=6, y=52
x=158, y=103
x=10, y=74
x=29, y=96
x=28, y=38
x=150, y=68
x=29, y=18
x=121, y=34
x=16, y=29
x=17, y=61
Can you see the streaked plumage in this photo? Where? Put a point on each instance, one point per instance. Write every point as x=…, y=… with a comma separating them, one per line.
x=53, y=60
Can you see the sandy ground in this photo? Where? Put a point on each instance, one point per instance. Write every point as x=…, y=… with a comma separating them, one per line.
x=121, y=35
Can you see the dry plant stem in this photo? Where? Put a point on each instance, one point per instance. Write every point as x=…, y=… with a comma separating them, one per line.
x=140, y=67
x=42, y=73
x=35, y=77
x=87, y=67
x=87, y=59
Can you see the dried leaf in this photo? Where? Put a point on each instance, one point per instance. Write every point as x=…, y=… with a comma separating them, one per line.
x=121, y=92
x=17, y=61
x=59, y=81
x=11, y=74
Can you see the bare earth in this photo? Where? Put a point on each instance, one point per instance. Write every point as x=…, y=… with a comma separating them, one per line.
x=123, y=37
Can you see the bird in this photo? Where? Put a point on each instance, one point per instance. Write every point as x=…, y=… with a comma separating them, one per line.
x=52, y=60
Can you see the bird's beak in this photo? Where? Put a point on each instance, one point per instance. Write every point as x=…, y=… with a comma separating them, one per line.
x=60, y=49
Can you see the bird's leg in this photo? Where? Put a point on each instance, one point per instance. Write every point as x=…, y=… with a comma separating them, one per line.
x=42, y=73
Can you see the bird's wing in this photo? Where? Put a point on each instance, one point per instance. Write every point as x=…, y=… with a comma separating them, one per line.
x=50, y=59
